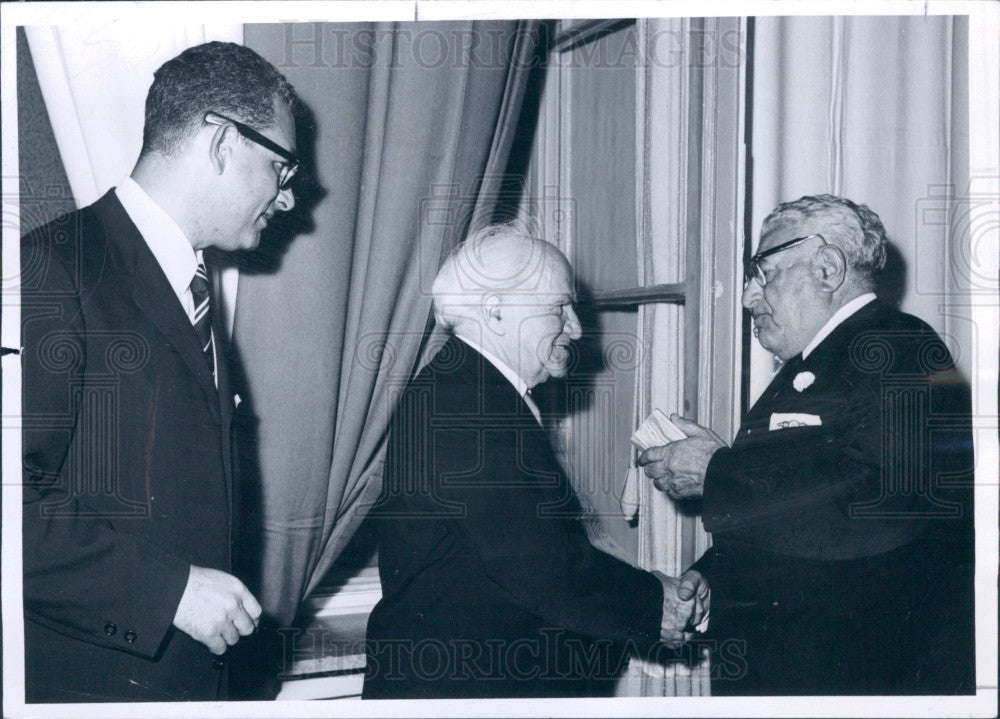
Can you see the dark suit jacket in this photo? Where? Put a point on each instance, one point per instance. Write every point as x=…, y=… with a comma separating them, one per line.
x=843, y=553
x=490, y=587
x=126, y=467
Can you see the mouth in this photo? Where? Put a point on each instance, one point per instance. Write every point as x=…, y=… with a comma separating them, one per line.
x=759, y=320
x=560, y=354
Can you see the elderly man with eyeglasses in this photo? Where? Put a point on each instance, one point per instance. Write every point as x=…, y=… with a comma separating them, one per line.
x=129, y=592
x=841, y=516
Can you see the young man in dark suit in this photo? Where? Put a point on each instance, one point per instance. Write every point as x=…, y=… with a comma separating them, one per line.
x=490, y=587
x=841, y=517
x=128, y=486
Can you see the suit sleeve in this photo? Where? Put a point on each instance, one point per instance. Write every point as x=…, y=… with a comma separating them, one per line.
x=885, y=439
x=538, y=556
x=82, y=578
x=789, y=472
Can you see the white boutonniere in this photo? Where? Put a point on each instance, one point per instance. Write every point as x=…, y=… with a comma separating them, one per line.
x=803, y=380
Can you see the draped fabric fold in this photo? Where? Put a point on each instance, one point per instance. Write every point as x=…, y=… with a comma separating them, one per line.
x=411, y=127
x=874, y=109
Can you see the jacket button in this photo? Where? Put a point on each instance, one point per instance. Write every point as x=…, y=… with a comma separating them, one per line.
x=130, y=636
x=218, y=662
x=110, y=629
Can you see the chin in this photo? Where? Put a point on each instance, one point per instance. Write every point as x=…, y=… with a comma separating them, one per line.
x=556, y=371
x=764, y=338
x=250, y=243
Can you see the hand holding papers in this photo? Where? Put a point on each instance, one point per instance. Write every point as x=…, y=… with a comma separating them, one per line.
x=677, y=466
x=656, y=431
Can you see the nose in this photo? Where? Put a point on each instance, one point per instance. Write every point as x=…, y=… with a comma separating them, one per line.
x=571, y=326
x=285, y=200
x=751, y=292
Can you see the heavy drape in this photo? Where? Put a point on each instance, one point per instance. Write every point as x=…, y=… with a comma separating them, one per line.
x=409, y=119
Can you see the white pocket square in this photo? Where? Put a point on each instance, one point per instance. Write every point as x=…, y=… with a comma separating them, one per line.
x=786, y=420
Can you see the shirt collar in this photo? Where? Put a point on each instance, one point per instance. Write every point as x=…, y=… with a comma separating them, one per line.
x=839, y=316
x=502, y=367
x=168, y=243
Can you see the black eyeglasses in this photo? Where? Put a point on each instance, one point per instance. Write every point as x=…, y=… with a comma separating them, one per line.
x=286, y=170
x=753, y=268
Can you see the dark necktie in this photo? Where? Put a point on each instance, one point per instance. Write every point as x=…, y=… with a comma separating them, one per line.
x=203, y=315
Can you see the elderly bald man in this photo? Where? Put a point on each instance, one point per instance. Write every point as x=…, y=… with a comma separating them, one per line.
x=841, y=517
x=490, y=587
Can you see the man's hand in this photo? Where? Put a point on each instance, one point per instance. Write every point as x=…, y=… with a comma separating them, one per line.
x=216, y=609
x=693, y=584
x=685, y=606
x=679, y=468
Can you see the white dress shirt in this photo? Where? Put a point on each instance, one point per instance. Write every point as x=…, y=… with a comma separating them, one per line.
x=170, y=246
x=503, y=368
x=839, y=316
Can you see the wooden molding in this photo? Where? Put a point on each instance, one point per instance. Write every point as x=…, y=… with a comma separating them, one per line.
x=674, y=293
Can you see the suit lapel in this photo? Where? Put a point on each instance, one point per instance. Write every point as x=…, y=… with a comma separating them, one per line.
x=834, y=351
x=153, y=294
x=828, y=356
x=500, y=401
x=497, y=395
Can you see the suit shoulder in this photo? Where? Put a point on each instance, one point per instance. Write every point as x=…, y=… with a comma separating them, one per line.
x=66, y=229
x=59, y=251
x=907, y=323
x=895, y=342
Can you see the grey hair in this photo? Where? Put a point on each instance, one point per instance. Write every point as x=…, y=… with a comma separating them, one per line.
x=506, y=257
x=853, y=227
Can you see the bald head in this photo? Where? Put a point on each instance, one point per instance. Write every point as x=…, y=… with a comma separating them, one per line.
x=512, y=294
x=498, y=258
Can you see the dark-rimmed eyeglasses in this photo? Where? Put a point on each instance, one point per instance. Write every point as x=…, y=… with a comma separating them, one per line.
x=753, y=269
x=286, y=170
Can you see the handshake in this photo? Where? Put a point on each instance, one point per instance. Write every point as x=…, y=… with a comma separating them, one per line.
x=685, y=607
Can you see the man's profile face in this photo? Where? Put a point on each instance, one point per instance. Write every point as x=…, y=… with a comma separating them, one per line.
x=254, y=196
x=544, y=324
x=784, y=310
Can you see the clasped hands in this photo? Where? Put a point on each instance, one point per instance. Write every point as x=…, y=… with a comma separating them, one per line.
x=678, y=468
x=686, y=602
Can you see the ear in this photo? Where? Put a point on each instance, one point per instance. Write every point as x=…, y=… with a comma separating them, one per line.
x=491, y=311
x=221, y=148
x=830, y=268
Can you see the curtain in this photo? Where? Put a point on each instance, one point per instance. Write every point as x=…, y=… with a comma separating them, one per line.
x=94, y=80
x=874, y=109
x=412, y=131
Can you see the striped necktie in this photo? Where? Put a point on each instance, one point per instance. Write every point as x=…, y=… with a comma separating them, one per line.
x=203, y=315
